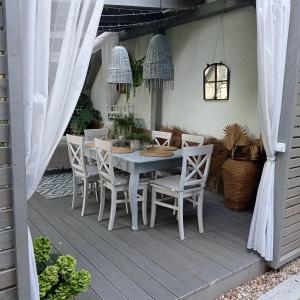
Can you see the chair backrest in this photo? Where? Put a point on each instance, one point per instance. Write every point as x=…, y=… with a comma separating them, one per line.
x=91, y=134
x=76, y=154
x=162, y=138
x=189, y=140
x=195, y=166
x=104, y=160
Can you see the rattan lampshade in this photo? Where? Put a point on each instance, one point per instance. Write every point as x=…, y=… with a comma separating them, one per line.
x=158, y=68
x=119, y=72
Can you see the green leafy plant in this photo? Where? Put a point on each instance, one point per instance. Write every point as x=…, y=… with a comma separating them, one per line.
x=137, y=76
x=83, y=115
x=123, y=125
x=57, y=275
x=141, y=135
x=137, y=72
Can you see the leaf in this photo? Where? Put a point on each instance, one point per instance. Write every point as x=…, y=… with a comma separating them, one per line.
x=235, y=135
x=254, y=150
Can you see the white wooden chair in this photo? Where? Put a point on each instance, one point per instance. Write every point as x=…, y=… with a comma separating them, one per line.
x=162, y=138
x=195, y=168
x=188, y=140
x=116, y=183
x=91, y=134
x=81, y=171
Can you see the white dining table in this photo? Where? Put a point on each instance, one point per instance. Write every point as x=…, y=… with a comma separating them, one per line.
x=135, y=164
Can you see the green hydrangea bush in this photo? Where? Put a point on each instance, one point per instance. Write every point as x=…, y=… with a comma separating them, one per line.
x=57, y=275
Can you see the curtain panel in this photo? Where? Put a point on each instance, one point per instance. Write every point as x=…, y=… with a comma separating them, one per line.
x=57, y=39
x=272, y=36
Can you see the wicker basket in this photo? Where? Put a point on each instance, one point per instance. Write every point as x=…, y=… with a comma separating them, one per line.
x=241, y=179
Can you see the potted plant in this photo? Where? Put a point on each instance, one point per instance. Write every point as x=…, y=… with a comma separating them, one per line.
x=57, y=275
x=241, y=174
x=84, y=115
x=123, y=126
x=137, y=77
x=138, y=139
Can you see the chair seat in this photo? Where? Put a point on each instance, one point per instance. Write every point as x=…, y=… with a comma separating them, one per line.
x=169, y=182
x=173, y=183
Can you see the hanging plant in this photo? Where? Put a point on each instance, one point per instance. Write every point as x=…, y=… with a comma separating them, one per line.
x=137, y=72
x=137, y=76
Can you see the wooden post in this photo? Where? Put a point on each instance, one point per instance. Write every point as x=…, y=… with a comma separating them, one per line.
x=284, y=222
x=156, y=108
x=18, y=185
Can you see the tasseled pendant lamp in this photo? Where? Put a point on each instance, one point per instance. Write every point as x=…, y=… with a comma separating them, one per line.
x=119, y=73
x=158, y=69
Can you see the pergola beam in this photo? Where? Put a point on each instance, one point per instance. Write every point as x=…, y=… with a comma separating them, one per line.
x=146, y=3
x=203, y=11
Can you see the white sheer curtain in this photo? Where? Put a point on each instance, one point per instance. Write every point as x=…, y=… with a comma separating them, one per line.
x=57, y=39
x=272, y=35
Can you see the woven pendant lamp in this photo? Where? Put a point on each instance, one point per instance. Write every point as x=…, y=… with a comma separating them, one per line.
x=158, y=69
x=119, y=73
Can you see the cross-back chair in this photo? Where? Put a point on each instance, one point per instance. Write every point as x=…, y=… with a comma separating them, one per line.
x=162, y=138
x=191, y=182
x=91, y=134
x=82, y=172
x=188, y=140
x=115, y=183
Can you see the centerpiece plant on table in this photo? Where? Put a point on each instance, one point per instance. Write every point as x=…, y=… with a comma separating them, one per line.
x=241, y=172
x=128, y=130
x=57, y=274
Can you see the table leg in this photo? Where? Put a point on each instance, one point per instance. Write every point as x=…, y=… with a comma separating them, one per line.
x=133, y=187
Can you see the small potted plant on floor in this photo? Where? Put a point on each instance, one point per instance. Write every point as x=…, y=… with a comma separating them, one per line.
x=241, y=173
x=57, y=274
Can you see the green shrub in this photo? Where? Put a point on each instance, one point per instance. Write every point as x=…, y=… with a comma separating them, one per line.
x=57, y=275
x=42, y=249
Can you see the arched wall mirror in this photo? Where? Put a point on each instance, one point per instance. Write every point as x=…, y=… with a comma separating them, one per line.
x=216, y=81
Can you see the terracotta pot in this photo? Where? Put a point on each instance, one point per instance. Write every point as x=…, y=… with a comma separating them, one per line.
x=240, y=179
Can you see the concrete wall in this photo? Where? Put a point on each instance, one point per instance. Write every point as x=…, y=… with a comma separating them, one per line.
x=192, y=47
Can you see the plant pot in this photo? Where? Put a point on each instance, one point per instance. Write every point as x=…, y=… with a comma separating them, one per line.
x=136, y=145
x=240, y=179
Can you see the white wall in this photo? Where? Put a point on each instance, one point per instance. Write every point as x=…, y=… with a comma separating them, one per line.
x=192, y=46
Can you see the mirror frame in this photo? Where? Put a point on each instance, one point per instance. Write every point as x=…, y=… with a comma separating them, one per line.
x=216, y=81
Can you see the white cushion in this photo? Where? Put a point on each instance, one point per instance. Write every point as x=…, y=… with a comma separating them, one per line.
x=170, y=182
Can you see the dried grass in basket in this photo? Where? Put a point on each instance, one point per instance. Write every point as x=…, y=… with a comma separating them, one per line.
x=240, y=190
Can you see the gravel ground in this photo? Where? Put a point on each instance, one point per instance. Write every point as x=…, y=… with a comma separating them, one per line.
x=255, y=288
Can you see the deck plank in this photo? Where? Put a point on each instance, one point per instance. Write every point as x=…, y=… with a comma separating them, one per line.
x=99, y=283
x=90, y=293
x=150, y=263
x=139, y=285
x=162, y=271
x=127, y=265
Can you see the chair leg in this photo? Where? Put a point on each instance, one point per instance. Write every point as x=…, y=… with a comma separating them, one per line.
x=144, y=205
x=97, y=191
x=102, y=201
x=112, y=209
x=175, y=204
x=126, y=201
x=200, y=211
x=153, y=209
x=194, y=198
x=180, y=216
x=75, y=192
x=85, y=196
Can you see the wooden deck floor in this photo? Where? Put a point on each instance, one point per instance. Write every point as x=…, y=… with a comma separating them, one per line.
x=151, y=263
